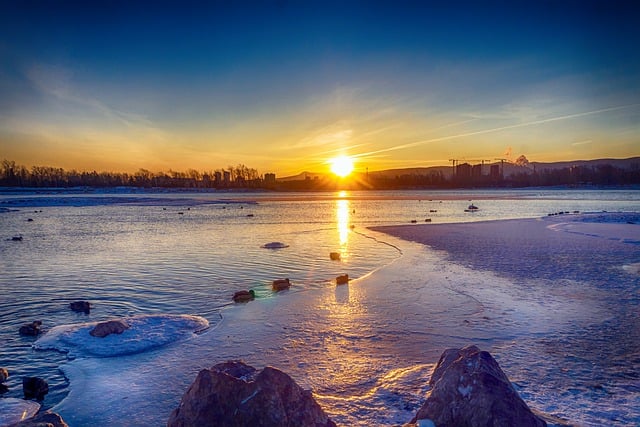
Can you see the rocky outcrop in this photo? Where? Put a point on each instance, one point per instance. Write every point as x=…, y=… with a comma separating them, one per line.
x=109, y=327
x=34, y=387
x=31, y=329
x=469, y=389
x=233, y=394
x=43, y=419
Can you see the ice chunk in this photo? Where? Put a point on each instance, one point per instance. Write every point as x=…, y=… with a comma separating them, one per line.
x=14, y=410
x=145, y=333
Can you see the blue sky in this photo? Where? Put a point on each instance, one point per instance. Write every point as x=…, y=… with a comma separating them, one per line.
x=283, y=86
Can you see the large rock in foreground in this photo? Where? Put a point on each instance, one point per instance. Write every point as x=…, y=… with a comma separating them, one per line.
x=235, y=394
x=469, y=389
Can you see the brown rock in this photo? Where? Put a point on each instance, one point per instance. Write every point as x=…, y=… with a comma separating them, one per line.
x=43, y=419
x=109, y=327
x=469, y=389
x=34, y=387
x=4, y=374
x=31, y=329
x=233, y=394
x=280, y=284
x=80, y=306
x=343, y=279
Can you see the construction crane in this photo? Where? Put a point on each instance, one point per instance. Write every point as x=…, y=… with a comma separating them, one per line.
x=453, y=163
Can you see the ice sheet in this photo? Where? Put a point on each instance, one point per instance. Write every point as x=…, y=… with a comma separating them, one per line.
x=144, y=333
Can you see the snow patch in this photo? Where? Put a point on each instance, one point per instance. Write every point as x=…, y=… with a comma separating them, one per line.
x=145, y=333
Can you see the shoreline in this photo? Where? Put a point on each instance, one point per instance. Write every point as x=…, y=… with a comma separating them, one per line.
x=367, y=349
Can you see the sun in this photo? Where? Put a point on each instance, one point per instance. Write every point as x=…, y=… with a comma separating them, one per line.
x=341, y=165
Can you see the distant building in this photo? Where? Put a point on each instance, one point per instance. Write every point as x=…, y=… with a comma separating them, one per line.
x=226, y=177
x=494, y=172
x=218, y=177
x=476, y=171
x=463, y=171
x=269, y=178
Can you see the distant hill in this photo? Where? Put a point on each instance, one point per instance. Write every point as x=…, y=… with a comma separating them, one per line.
x=509, y=168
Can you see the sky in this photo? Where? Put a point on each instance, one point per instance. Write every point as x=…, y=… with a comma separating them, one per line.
x=283, y=86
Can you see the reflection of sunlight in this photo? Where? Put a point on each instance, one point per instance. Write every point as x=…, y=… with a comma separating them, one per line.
x=342, y=194
x=342, y=214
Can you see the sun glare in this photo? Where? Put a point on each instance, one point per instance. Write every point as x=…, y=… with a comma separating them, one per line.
x=341, y=165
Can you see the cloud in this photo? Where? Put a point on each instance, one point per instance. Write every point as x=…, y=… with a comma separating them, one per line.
x=584, y=142
x=500, y=128
x=334, y=134
x=58, y=82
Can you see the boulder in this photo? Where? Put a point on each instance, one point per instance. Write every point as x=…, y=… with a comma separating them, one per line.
x=233, y=394
x=109, y=327
x=31, y=329
x=80, y=306
x=43, y=419
x=469, y=389
x=34, y=387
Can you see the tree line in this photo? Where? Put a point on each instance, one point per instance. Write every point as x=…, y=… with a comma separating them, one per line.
x=14, y=175
x=241, y=176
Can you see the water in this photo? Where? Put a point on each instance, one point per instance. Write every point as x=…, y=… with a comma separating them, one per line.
x=186, y=253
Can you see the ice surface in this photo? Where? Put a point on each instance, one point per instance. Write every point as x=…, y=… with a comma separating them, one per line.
x=145, y=332
x=560, y=319
x=14, y=410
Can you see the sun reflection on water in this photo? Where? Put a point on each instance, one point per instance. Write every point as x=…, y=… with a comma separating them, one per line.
x=342, y=216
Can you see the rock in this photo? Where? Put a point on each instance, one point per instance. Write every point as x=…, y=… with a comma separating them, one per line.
x=280, y=284
x=43, y=419
x=334, y=256
x=31, y=329
x=80, y=306
x=4, y=374
x=244, y=296
x=34, y=387
x=233, y=394
x=109, y=327
x=275, y=245
x=469, y=389
x=343, y=279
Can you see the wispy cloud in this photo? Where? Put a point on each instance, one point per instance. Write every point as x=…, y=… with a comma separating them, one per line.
x=499, y=129
x=57, y=82
x=584, y=142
